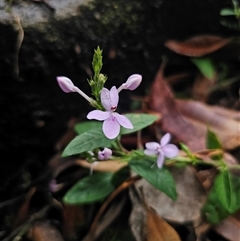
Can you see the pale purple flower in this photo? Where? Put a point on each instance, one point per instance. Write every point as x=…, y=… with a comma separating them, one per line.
x=104, y=154
x=162, y=149
x=67, y=86
x=132, y=83
x=111, y=120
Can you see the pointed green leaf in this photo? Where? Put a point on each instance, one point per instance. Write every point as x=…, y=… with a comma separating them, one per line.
x=227, y=188
x=139, y=121
x=223, y=187
x=212, y=141
x=224, y=198
x=87, y=126
x=160, y=178
x=86, y=142
x=90, y=189
x=205, y=66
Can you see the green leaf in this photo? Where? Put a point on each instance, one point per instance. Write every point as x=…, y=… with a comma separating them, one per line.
x=87, y=126
x=212, y=141
x=120, y=176
x=223, y=187
x=227, y=187
x=90, y=189
x=213, y=210
x=139, y=121
x=86, y=142
x=205, y=66
x=224, y=197
x=227, y=12
x=159, y=178
x=185, y=149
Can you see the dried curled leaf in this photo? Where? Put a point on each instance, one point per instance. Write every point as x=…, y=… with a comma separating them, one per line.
x=197, y=46
x=189, y=120
x=158, y=229
x=146, y=224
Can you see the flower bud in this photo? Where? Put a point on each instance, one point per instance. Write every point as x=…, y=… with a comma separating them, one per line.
x=105, y=154
x=133, y=82
x=66, y=84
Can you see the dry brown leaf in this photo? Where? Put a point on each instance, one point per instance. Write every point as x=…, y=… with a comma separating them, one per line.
x=187, y=207
x=197, y=46
x=44, y=231
x=206, y=177
x=188, y=121
x=232, y=114
x=146, y=224
x=230, y=228
x=201, y=86
x=227, y=129
x=162, y=100
x=103, y=166
x=107, y=219
x=201, y=230
x=157, y=228
x=93, y=232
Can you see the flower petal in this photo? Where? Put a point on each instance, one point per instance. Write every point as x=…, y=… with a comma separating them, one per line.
x=170, y=150
x=153, y=146
x=133, y=82
x=105, y=99
x=104, y=154
x=123, y=121
x=114, y=96
x=111, y=127
x=65, y=84
x=98, y=115
x=160, y=160
x=165, y=139
x=149, y=152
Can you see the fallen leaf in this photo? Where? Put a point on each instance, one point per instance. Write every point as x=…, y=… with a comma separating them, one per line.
x=94, y=232
x=230, y=228
x=161, y=100
x=113, y=211
x=200, y=88
x=103, y=166
x=191, y=197
x=158, y=229
x=146, y=224
x=197, y=46
x=227, y=129
x=206, y=177
x=44, y=231
x=188, y=120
